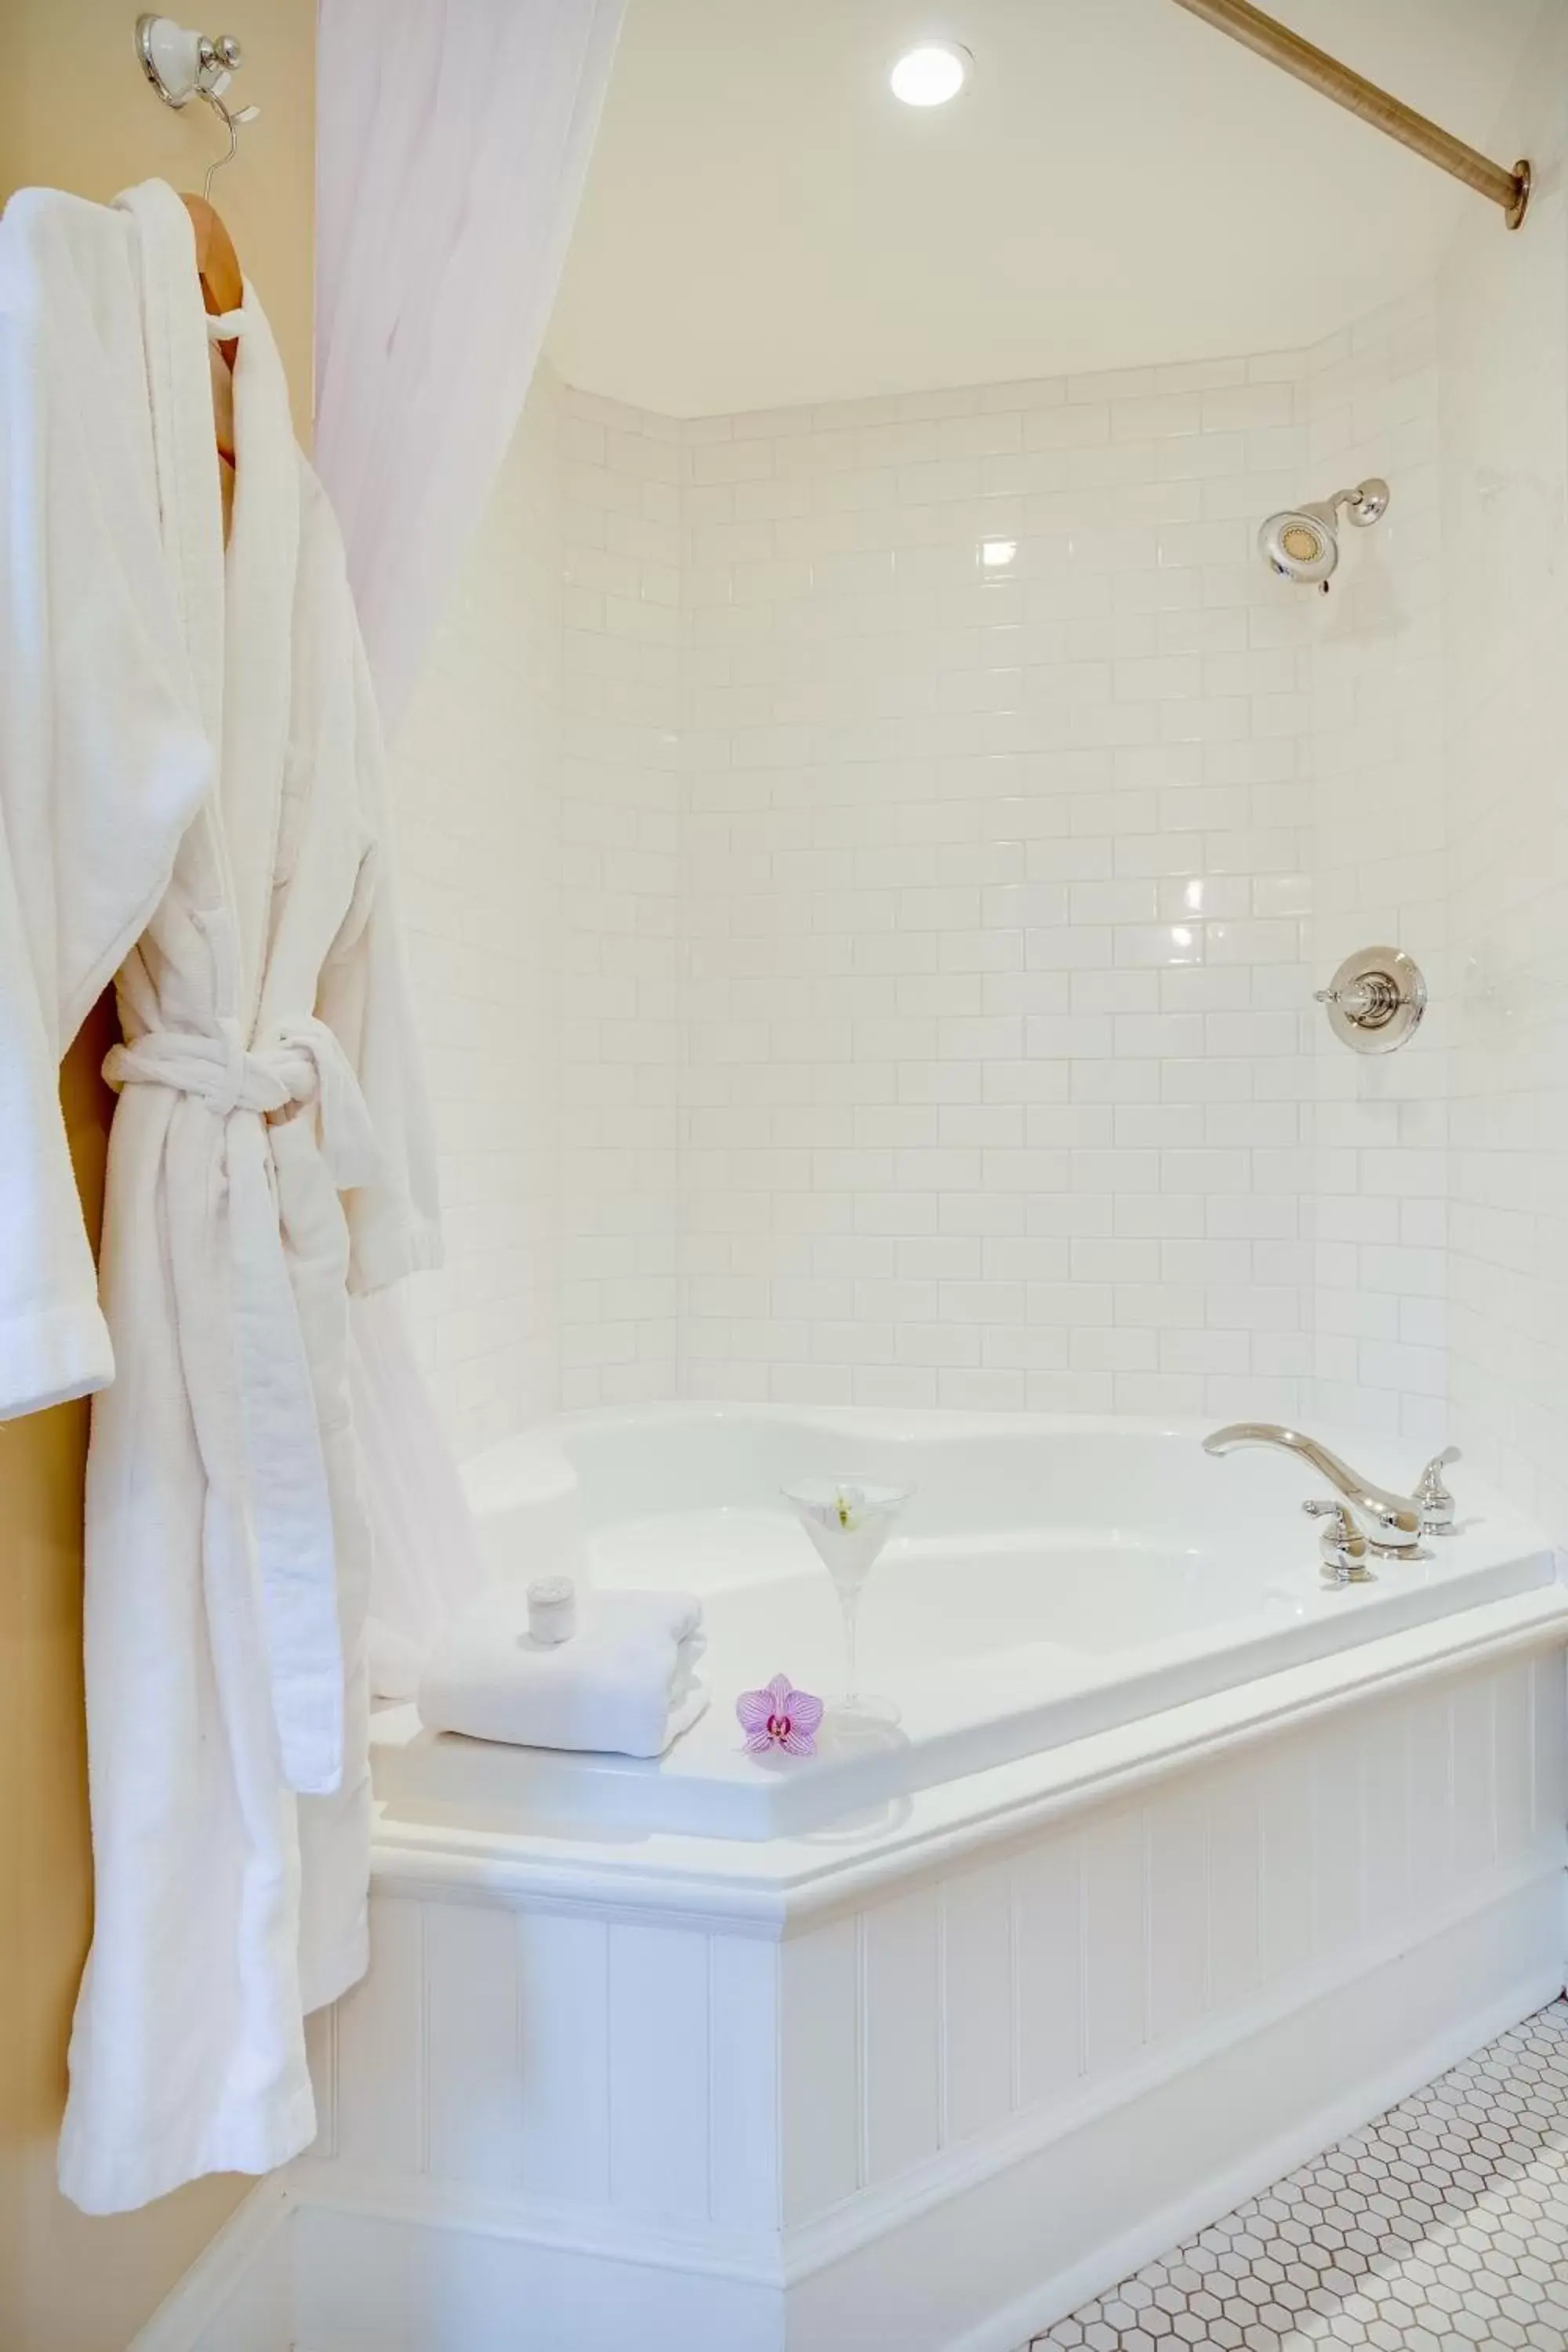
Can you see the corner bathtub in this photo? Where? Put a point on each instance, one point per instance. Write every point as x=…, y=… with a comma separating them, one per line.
x=1052, y=1578
x=1178, y=1867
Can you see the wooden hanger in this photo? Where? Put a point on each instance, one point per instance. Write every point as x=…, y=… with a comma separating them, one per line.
x=222, y=289
x=217, y=265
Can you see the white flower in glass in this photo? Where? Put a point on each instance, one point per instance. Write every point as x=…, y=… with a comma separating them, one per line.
x=849, y=1520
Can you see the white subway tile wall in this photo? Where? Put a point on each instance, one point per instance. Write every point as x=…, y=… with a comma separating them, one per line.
x=476, y=790
x=998, y=863
x=868, y=867
x=1375, y=1181
x=623, y=798
x=1504, y=375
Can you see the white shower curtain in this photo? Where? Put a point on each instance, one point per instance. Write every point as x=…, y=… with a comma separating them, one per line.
x=453, y=138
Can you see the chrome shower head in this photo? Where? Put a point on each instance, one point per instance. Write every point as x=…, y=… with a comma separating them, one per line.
x=1300, y=543
x=1303, y=542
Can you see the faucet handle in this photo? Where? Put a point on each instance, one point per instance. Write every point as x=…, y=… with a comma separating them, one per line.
x=1342, y=1544
x=1431, y=1493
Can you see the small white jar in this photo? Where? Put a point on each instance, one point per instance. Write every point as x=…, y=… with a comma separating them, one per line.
x=551, y=1609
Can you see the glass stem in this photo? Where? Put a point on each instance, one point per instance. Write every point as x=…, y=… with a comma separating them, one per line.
x=849, y=1605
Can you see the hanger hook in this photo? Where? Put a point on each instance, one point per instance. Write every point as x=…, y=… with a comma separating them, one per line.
x=231, y=124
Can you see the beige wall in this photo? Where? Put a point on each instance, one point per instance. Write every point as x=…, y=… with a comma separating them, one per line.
x=75, y=112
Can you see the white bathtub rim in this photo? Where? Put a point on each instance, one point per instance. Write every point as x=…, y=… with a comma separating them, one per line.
x=533, y=1465
x=544, y=1440
x=706, y=1787
x=652, y=1511
x=778, y=1886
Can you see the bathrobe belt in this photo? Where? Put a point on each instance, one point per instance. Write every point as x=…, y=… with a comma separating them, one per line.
x=281, y=1473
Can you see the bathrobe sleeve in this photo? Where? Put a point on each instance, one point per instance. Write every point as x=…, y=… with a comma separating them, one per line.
x=102, y=761
x=53, y=1341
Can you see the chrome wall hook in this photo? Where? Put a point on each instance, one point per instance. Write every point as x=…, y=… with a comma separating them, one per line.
x=182, y=64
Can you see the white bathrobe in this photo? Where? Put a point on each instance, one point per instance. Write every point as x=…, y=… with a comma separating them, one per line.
x=270, y=1148
x=104, y=759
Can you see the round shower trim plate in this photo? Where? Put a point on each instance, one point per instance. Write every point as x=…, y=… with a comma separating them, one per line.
x=1376, y=999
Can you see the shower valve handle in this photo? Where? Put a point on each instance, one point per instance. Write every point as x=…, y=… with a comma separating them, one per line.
x=1370, y=1002
x=1342, y=1544
x=1438, y=1506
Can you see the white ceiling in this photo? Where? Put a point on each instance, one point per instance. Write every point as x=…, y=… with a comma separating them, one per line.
x=764, y=223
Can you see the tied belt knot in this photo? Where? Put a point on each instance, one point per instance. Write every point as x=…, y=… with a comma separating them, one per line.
x=296, y=1062
x=268, y=1250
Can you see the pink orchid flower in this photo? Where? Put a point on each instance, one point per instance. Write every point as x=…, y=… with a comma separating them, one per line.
x=779, y=1716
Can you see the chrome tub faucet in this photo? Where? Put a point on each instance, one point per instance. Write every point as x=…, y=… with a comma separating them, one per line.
x=1391, y=1524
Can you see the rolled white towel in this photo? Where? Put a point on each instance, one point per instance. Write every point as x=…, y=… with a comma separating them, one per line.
x=625, y=1682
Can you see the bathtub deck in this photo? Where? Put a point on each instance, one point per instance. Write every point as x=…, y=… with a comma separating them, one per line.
x=1443, y=2226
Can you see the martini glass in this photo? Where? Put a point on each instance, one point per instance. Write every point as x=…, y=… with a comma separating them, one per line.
x=849, y=1520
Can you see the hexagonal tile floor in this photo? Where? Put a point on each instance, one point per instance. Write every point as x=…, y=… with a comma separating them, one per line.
x=1440, y=2228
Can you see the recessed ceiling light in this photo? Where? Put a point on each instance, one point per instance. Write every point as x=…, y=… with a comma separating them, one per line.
x=931, y=74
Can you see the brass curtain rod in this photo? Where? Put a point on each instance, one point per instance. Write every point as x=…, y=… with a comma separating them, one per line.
x=1281, y=46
